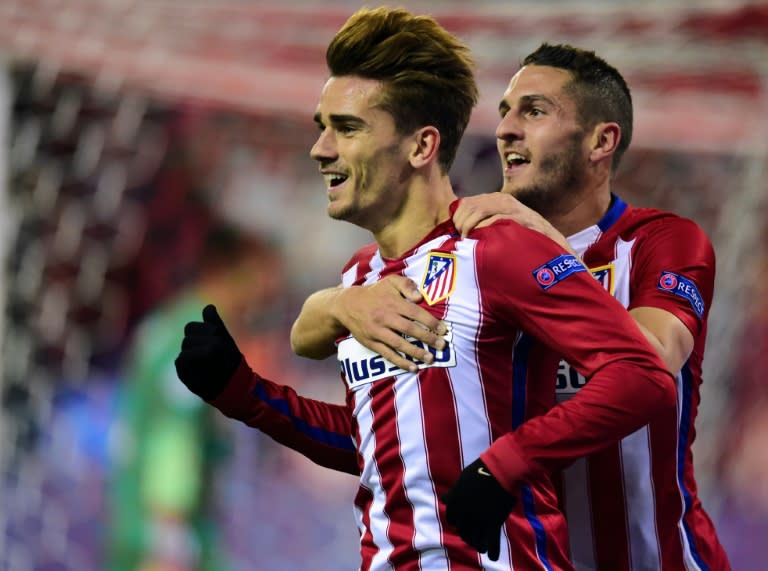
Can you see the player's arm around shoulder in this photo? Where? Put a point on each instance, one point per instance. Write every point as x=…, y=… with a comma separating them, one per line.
x=319, y=325
x=380, y=316
x=555, y=300
x=314, y=333
x=483, y=210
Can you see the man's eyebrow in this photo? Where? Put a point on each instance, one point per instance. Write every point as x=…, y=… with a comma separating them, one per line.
x=526, y=101
x=536, y=98
x=337, y=119
x=346, y=119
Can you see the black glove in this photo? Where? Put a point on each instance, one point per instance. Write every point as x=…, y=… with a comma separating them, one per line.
x=209, y=356
x=477, y=507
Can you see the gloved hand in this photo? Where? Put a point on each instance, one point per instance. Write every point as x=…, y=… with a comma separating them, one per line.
x=209, y=356
x=477, y=507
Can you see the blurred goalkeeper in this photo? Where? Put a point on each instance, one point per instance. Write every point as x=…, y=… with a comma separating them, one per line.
x=454, y=452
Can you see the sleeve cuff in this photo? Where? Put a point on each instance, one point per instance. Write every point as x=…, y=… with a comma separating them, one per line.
x=235, y=398
x=507, y=463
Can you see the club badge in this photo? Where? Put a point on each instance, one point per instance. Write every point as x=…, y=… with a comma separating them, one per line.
x=605, y=276
x=439, y=277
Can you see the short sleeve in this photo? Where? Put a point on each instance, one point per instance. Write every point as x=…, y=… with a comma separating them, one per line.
x=674, y=269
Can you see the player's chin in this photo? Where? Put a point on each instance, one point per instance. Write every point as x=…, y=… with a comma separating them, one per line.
x=338, y=211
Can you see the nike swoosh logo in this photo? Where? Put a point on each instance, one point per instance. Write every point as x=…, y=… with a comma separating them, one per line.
x=483, y=472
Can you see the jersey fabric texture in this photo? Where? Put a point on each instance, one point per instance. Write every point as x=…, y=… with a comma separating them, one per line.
x=514, y=303
x=634, y=506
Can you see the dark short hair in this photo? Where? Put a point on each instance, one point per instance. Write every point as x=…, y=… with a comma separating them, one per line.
x=601, y=93
x=427, y=73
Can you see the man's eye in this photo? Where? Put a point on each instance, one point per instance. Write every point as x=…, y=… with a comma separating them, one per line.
x=535, y=112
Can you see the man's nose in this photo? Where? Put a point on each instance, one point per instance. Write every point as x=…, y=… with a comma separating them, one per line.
x=509, y=128
x=325, y=147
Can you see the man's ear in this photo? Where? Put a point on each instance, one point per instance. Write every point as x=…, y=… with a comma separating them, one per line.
x=604, y=141
x=426, y=143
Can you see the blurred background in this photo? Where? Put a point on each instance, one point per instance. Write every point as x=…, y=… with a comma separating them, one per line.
x=155, y=158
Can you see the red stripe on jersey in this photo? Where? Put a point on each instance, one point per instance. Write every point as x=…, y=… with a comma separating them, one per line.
x=609, y=520
x=363, y=501
x=444, y=459
x=443, y=415
x=539, y=396
x=400, y=527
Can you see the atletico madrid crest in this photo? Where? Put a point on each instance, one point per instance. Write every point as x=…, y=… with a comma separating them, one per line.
x=439, y=277
x=605, y=275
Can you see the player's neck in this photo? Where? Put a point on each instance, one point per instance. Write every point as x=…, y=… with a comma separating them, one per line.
x=424, y=208
x=582, y=211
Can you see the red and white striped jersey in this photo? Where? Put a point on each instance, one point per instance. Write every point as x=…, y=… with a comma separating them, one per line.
x=634, y=505
x=502, y=293
x=514, y=303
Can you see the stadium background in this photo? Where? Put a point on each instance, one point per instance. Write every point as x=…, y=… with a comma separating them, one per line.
x=131, y=128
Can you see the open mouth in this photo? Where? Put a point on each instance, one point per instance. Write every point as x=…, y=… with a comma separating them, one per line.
x=333, y=180
x=513, y=159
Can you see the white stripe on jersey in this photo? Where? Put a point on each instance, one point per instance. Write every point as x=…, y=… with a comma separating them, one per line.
x=584, y=239
x=348, y=277
x=467, y=388
x=640, y=501
x=622, y=264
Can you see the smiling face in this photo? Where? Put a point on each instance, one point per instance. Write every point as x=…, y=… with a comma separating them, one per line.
x=362, y=157
x=544, y=149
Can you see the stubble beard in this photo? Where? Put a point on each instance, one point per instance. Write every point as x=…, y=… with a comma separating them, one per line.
x=560, y=176
x=364, y=208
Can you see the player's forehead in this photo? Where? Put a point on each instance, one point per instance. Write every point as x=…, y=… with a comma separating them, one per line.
x=350, y=96
x=537, y=81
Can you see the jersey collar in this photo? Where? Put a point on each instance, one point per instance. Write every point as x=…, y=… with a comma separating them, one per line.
x=583, y=239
